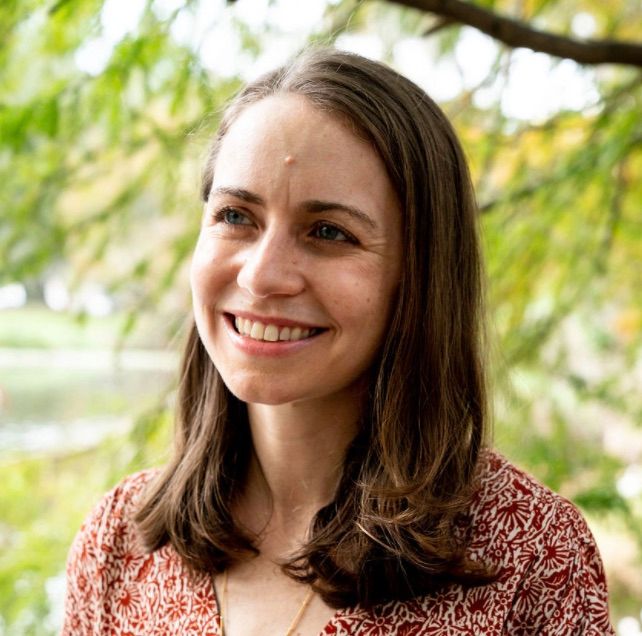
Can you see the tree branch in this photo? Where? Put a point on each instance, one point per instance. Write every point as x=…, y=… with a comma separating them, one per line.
x=441, y=24
x=518, y=34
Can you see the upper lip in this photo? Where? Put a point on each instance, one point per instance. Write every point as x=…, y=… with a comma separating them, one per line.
x=278, y=321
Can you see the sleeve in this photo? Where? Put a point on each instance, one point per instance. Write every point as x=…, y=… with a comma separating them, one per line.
x=563, y=592
x=96, y=558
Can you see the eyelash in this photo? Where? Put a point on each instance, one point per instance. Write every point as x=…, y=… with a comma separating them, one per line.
x=221, y=217
x=349, y=238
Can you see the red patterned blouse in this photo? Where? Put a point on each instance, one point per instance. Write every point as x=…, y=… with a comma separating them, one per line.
x=551, y=577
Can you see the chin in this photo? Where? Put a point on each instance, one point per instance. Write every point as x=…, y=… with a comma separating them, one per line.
x=262, y=392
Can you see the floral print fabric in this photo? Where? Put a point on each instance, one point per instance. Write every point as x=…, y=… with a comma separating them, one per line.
x=551, y=578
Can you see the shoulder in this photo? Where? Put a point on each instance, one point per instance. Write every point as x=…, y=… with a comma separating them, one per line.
x=104, y=551
x=110, y=525
x=116, y=586
x=517, y=506
x=546, y=556
x=124, y=497
x=108, y=535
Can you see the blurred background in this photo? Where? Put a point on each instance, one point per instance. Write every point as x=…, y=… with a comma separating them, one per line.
x=106, y=109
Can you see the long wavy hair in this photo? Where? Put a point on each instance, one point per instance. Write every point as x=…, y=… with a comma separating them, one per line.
x=397, y=525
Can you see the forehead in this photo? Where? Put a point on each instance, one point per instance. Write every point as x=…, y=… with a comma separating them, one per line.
x=282, y=111
x=283, y=126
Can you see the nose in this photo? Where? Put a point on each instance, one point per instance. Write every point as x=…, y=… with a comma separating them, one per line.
x=271, y=267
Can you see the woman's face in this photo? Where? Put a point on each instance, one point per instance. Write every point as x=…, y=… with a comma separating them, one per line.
x=299, y=255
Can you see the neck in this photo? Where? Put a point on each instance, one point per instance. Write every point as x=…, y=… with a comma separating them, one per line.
x=296, y=465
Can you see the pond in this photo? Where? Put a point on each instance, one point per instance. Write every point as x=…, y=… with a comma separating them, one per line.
x=53, y=401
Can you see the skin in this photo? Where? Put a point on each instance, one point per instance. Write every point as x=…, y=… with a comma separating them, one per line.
x=267, y=252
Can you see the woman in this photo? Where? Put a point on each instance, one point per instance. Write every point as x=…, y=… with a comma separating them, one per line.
x=329, y=473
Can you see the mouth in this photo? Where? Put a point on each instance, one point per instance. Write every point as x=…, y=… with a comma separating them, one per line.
x=268, y=332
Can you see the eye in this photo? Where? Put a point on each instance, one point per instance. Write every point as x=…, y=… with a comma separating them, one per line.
x=232, y=216
x=329, y=232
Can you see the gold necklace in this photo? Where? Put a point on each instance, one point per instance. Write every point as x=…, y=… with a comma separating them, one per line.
x=293, y=625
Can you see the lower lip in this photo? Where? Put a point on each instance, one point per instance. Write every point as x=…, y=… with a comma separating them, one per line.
x=264, y=348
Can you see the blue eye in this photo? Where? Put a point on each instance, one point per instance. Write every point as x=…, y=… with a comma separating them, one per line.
x=329, y=232
x=234, y=217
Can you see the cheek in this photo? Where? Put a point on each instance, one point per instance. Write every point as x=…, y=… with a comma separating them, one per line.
x=379, y=302
x=364, y=296
x=200, y=275
x=208, y=272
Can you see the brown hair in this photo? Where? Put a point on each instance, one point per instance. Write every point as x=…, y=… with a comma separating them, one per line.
x=396, y=527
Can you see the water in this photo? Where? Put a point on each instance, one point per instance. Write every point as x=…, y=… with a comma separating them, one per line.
x=61, y=401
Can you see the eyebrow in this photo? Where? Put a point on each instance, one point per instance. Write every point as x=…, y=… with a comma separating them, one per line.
x=239, y=193
x=314, y=206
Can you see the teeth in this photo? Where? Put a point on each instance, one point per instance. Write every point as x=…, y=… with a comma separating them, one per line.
x=270, y=333
x=257, y=331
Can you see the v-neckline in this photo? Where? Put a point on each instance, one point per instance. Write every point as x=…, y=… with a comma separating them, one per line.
x=332, y=623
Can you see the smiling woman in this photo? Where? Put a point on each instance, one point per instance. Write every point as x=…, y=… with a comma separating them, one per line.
x=330, y=471
x=312, y=280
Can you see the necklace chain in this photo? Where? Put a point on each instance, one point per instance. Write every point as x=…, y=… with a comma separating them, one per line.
x=223, y=609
